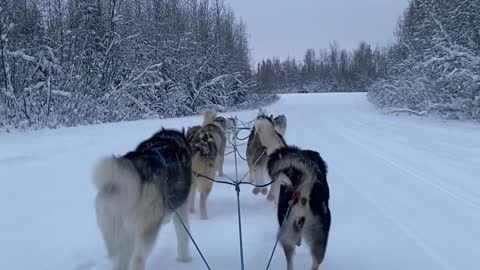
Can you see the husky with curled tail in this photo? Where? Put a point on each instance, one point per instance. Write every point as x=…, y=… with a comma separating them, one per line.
x=302, y=175
x=257, y=157
x=228, y=124
x=141, y=191
x=208, y=146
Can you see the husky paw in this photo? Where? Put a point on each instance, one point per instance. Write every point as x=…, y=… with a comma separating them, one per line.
x=270, y=197
x=264, y=191
x=204, y=217
x=184, y=259
x=192, y=210
x=255, y=190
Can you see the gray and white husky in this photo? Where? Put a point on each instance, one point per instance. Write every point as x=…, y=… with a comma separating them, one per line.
x=138, y=193
x=208, y=146
x=228, y=125
x=302, y=175
x=257, y=157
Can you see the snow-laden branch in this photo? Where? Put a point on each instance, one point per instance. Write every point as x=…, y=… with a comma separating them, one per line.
x=21, y=54
x=404, y=110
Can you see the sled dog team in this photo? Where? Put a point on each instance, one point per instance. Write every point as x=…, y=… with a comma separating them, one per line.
x=158, y=181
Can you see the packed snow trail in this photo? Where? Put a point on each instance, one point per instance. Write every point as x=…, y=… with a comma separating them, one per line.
x=405, y=193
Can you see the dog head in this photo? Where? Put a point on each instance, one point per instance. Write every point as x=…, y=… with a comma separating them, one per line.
x=222, y=122
x=263, y=113
x=204, y=144
x=231, y=122
x=264, y=116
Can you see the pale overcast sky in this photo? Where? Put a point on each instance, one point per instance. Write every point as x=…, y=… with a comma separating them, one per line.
x=288, y=27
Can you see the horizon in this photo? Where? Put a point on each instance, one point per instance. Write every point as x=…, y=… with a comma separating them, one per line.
x=271, y=35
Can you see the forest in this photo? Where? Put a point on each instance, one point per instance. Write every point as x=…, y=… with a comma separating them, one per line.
x=333, y=69
x=434, y=64
x=77, y=62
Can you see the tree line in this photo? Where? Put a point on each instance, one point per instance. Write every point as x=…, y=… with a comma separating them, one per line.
x=332, y=69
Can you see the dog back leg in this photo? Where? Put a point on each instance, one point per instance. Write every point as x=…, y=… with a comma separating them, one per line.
x=316, y=237
x=145, y=224
x=228, y=136
x=203, y=205
x=317, y=250
x=254, y=176
x=289, y=251
x=183, y=252
x=144, y=239
x=273, y=192
x=259, y=173
x=220, y=161
x=118, y=241
x=191, y=195
x=204, y=188
x=250, y=172
x=317, y=258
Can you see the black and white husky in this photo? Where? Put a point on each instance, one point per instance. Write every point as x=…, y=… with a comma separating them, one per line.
x=138, y=193
x=302, y=175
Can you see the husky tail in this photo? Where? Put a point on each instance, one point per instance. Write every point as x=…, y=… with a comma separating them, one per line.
x=268, y=135
x=209, y=117
x=118, y=182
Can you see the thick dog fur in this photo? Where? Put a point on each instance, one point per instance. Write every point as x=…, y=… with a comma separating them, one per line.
x=208, y=145
x=303, y=173
x=209, y=117
x=216, y=131
x=228, y=125
x=140, y=191
x=280, y=122
x=268, y=135
x=257, y=157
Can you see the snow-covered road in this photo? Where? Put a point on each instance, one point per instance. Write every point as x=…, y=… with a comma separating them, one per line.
x=405, y=193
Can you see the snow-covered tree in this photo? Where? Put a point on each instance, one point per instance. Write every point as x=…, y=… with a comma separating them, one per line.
x=70, y=62
x=434, y=65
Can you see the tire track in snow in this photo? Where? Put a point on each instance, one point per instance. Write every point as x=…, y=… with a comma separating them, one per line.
x=456, y=195
x=441, y=142
x=399, y=225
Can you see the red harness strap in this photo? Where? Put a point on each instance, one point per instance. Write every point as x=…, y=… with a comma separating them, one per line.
x=293, y=199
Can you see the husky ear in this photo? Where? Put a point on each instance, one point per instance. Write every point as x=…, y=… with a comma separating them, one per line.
x=284, y=180
x=183, y=129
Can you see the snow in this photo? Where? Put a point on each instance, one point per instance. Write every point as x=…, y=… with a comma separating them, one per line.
x=404, y=193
